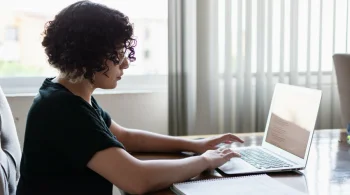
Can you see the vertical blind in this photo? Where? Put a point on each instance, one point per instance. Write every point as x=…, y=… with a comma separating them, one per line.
x=262, y=42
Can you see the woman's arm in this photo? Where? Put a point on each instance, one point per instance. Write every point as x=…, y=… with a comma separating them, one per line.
x=138, y=177
x=144, y=141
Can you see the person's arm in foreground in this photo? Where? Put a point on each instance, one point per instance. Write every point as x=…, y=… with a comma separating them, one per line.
x=138, y=177
x=144, y=141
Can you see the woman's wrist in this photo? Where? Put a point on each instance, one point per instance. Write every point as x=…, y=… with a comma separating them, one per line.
x=204, y=161
x=188, y=145
x=192, y=146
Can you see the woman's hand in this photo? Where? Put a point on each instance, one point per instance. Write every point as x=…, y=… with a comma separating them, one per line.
x=202, y=145
x=218, y=157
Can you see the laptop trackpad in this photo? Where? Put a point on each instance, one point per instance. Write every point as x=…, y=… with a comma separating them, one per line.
x=237, y=165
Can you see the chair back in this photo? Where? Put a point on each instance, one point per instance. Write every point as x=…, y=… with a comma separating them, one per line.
x=10, y=151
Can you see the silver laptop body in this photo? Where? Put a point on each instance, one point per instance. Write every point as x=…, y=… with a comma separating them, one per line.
x=287, y=137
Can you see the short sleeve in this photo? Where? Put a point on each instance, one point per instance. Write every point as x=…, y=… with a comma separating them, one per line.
x=84, y=133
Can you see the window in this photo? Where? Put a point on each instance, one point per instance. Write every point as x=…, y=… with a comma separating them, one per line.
x=22, y=58
x=283, y=33
x=147, y=34
x=11, y=34
x=146, y=54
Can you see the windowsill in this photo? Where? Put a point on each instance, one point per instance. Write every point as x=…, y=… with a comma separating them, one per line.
x=134, y=84
x=97, y=92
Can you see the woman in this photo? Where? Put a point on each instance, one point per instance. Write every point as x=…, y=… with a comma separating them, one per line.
x=72, y=146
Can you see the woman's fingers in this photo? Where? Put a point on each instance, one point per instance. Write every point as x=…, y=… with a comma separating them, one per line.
x=230, y=138
x=234, y=138
x=228, y=156
x=230, y=153
x=226, y=151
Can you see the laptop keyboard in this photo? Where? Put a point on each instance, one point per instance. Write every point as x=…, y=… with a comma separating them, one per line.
x=261, y=160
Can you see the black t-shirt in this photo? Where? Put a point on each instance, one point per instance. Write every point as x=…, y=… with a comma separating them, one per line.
x=63, y=132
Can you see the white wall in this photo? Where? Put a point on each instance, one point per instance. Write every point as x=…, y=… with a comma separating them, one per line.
x=148, y=110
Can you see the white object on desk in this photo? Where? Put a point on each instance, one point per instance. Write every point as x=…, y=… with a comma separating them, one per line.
x=243, y=185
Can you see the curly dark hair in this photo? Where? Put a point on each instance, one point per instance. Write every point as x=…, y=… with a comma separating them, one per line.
x=84, y=35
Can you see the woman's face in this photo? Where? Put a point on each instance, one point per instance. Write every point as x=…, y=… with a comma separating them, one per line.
x=109, y=79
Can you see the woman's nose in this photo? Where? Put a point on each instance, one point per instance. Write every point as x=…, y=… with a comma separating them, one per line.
x=125, y=64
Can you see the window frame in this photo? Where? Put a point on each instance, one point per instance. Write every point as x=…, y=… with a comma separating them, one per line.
x=14, y=86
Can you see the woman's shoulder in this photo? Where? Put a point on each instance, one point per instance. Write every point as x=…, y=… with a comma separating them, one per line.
x=53, y=96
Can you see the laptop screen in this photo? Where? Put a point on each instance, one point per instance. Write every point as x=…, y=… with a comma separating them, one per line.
x=293, y=114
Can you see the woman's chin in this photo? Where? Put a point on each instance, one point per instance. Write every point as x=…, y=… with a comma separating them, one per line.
x=113, y=85
x=110, y=86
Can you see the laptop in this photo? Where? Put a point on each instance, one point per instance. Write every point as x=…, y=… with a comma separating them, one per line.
x=287, y=137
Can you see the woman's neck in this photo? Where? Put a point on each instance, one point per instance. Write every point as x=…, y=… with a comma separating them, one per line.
x=84, y=89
